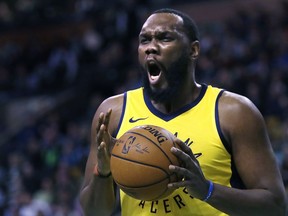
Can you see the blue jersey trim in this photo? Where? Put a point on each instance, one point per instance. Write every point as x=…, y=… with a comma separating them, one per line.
x=235, y=181
x=222, y=137
x=168, y=117
x=122, y=115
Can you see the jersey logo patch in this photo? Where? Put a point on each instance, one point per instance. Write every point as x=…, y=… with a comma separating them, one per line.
x=132, y=120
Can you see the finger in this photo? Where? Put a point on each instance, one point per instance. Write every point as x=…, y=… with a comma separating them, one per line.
x=102, y=156
x=188, y=160
x=102, y=151
x=100, y=121
x=184, y=147
x=100, y=134
x=183, y=173
x=180, y=154
x=101, y=147
x=184, y=177
x=179, y=184
x=107, y=118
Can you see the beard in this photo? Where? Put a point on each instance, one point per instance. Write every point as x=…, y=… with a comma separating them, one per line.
x=176, y=75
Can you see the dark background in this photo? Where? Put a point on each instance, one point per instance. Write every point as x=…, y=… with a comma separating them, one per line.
x=60, y=59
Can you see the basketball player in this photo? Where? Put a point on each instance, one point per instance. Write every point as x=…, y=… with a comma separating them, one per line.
x=228, y=163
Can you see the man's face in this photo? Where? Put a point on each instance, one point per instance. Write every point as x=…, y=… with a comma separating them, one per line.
x=163, y=54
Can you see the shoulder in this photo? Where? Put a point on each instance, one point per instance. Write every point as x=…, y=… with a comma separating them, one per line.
x=238, y=115
x=116, y=104
x=232, y=103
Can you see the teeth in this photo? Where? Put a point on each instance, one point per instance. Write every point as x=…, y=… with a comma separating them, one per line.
x=154, y=77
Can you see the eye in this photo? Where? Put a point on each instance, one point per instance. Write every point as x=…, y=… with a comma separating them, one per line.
x=143, y=40
x=166, y=37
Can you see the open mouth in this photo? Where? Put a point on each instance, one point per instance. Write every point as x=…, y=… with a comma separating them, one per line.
x=154, y=71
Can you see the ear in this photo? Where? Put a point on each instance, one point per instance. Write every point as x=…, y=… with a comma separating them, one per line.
x=194, y=49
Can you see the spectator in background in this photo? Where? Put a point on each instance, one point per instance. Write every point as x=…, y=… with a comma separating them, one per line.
x=171, y=97
x=255, y=57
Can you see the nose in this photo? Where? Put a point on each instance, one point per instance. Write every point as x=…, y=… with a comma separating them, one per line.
x=151, y=48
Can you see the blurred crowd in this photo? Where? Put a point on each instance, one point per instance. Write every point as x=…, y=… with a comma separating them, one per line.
x=42, y=165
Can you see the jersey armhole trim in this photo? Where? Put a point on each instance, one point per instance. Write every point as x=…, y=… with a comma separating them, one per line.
x=235, y=181
x=122, y=115
x=220, y=132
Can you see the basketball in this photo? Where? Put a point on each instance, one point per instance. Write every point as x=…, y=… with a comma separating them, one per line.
x=140, y=161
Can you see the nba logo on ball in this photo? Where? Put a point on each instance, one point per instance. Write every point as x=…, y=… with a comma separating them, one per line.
x=140, y=161
x=127, y=145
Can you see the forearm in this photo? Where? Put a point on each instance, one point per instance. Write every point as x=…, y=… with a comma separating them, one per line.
x=97, y=198
x=247, y=202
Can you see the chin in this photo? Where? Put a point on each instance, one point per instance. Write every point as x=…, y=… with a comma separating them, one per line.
x=174, y=80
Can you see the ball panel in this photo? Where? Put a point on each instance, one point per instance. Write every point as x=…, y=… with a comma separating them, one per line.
x=149, y=193
x=163, y=147
x=135, y=174
x=161, y=138
x=139, y=148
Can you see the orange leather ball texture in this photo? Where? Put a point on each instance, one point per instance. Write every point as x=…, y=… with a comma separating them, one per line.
x=140, y=161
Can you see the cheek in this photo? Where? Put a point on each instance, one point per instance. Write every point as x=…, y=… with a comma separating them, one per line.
x=171, y=56
x=173, y=52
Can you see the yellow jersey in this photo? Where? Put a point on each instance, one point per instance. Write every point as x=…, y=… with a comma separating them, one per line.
x=197, y=125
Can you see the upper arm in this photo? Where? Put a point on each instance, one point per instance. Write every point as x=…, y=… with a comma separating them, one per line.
x=245, y=130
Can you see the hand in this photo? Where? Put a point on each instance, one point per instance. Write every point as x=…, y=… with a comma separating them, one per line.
x=190, y=171
x=104, y=142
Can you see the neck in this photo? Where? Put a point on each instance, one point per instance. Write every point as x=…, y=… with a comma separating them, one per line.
x=185, y=96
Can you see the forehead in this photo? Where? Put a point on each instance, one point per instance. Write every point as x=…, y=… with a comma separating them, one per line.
x=163, y=22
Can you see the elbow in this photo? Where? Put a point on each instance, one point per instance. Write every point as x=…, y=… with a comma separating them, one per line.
x=90, y=206
x=84, y=203
x=81, y=200
x=273, y=204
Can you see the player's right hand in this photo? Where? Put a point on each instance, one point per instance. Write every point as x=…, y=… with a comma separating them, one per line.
x=104, y=143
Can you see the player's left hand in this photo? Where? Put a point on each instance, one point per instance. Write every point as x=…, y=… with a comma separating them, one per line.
x=190, y=171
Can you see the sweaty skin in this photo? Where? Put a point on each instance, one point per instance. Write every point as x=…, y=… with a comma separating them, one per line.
x=162, y=42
